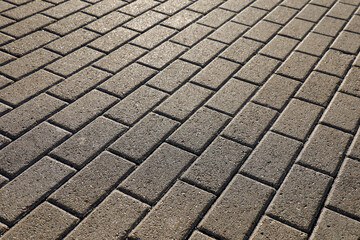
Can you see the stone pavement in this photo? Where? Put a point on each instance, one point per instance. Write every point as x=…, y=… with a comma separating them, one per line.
x=180, y=119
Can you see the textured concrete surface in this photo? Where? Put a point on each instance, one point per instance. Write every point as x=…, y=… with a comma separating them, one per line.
x=180, y=119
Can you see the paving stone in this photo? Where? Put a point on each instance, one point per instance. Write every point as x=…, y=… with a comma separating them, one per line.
x=228, y=32
x=70, y=23
x=27, y=25
x=342, y=11
x=344, y=194
x=197, y=132
x=354, y=24
x=147, y=134
x=4, y=108
x=269, y=228
x=271, y=158
x=108, y=22
x=145, y=21
x=113, y=39
x=312, y=13
x=324, y=150
x=112, y=219
x=216, y=73
x=234, y=213
x=138, y=7
x=354, y=150
x=325, y=3
x=162, y=55
x=5, y=58
x=262, y=31
x=216, y=17
x=329, y=26
x=23, y=151
x=297, y=66
x=4, y=82
x=347, y=42
x=44, y=222
x=281, y=15
x=21, y=194
x=3, y=180
x=191, y=34
x=204, y=6
x=258, y=69
x=181, y=19
x=357, y=61
x=297, y=119
x=276, y=92
x=120, y=58
x=28, y=86
x=136, y=105
x=74, y=61
x=154, y=36
x=5, y=38
x=265, y=4
x=215, y=167
x=296, y=4
x=184, y=101
x=318, y=88
x=335, y=62
x=315, y=44
x=3, y=141
x=72, y=41
x=203, y=52
x=28, y=43
x=236, y=6
x=300, y=197
x=4, y=21
x=92, y=183
x=334, y=226
x=105, y=6
x=82, y=146
x=5, y=6
x=199, y=236
x=343, y=112
x=66, y=8
x=78, y=84
x=174, y=215
x=241, y=50
x=296, y=28
x=27, y=10
x=250, y=123
x=29, y=114
x=26, y=64
x=125, y=81
x=233, y=95
x=148, y=181
x=351, y=2
x=352, y=82
x=249, y=16
x=172, y=6
x=19, y=2
x=77, y=114
x=174, y=75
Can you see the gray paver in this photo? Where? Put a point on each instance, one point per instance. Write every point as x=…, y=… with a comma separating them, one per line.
x=297, y=119
x=199, y=130
x=92, y=183
x=233, y=214
x=249, y=16
x=199, y=236
x=153, y=37
x=250, y=123
x=26, y=10
x=296, y=28
x=181, y=205
x=353, y=24
x=21, y=194
x=342, y=11
x=281, y=15
x=144, y=136
x=172, y=6
x=329, y=26
x=347, y=42
x=111, y=219
x=262, y=31
x=315, y=44
x=135, y=8
x=271, y=158
x=216, y=17
x=204, y=6
x=344, y=194
x=299, y=197
x=325, y=148
x=167, y=159
x=66, y=8
x=241, y=50
x=87, y=142
x=108, y=22
x=216, y=73
x=30, y=146
x=228, y=32
x=101, y=8
x=312, y=13
x=265, y=4
x=235, y=5
x=217, y=164
x=145, y=21
x=45, y=222
x=192, y=34
x=354, y=150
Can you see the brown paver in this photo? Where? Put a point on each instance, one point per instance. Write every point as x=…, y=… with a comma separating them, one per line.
x=179, y=119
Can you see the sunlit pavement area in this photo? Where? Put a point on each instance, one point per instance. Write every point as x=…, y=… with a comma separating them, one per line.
x=180, y=119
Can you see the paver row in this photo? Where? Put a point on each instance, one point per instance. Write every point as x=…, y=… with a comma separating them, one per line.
x=179, y=119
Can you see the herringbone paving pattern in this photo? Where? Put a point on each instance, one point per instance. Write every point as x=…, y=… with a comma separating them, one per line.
x=180, y=119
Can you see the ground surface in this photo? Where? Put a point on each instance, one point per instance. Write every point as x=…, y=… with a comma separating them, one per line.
x=180, y=119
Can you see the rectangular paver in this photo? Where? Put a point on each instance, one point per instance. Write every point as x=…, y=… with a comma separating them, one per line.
x=241, y=50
